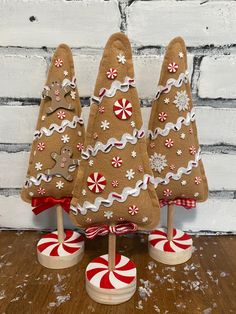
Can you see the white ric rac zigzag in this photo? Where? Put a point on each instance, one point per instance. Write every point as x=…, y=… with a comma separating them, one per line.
x=190, y=117
x=113, y=142
x=58, y=128
x=113, y=196
x=176, y=176
x=183, y=78
x=116, y=85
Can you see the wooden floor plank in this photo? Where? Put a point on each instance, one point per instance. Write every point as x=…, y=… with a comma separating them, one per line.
x=205, y=284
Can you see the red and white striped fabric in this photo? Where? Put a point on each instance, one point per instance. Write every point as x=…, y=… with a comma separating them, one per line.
x=99, y=275
x=173, y=67
x=180, y=242
x=102, y=230
x=111, y=73
x=116, y=162
x=185, y=202
x=96, y=182
x=123, y=109
x=49, y=245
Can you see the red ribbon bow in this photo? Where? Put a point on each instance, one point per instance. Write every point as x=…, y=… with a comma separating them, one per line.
x=41, y=204
x=188, y=203
x=119, y=229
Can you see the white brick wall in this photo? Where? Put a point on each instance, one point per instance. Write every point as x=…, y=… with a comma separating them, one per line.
x=29, y=32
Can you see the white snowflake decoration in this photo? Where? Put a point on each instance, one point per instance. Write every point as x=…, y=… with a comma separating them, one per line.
x=72, y=94
x=133, y=154
x=105, y=125
x=38, y=166
x=108, y=214
x=158, y=162
x=182, y=136
x=90, y=163
x=121, y=58
x=65, y=73
x=65, y=138
x=181, y=55
x=130, y=174
x=184, y=182
x=59, y=185
x=166, y=101
x=84, y=192
x=179, y=152
x=181, y=100
x=132, y=123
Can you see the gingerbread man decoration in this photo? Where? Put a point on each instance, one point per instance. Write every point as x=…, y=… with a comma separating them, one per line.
x=56, y=93
x=64, y=164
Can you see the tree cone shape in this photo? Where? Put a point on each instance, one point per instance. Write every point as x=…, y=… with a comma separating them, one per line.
x=59, y=133
x=113, y=180
x=173, y=145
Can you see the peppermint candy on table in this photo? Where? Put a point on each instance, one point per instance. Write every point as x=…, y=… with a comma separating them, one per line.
x=99, y=275
x=180, y=242
x=58, y=63
x=96, y=182
x=173, y=67
x=169, y=142
x=162, y=116
x=50, y=246
x=133, y=209
x=41, y=146
x=112, y=73
x=116, y=162
x=122, y=109
x=61, y=115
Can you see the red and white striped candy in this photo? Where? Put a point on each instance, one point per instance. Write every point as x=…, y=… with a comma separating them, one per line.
x=111, y=73
x=116, y=162
x=99, y=275
x=180, y=242
x=133, y=210
x=96, y=182
x=41, y=146
x=61, y=115
x=173, y=67
x=122, y=109
x=50, y=246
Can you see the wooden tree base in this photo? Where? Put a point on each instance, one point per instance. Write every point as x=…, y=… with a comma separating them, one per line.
x=174, y=252
x=111, y=286
x=56, y=255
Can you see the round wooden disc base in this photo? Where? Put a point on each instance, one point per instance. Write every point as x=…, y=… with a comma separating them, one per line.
x=111, y=287
x=174, y=252
x=55, y=255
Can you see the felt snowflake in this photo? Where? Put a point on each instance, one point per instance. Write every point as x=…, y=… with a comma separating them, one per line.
x=61, y=115
x=90, y=163
x=38, y=166
x=181, y=100
x=121, y=58
x=158, y=162
x=132, y=123
x=65, y=138
x=65, y=73
x=105, y=125
x=58, y=63
x=179, y=152
x=166, y=101
x=84, y=192
x=108, y=214
x=59, y=185
x=180, y=54
x=145, y=219
x=114, y=183
x=172, y=167
x=130, y=174
x=41, y=191
x=183, y=182
x=133, y=154
x=72, y=94
x=140, y=168
x=167, y=192
x=182, y=136
x=196, y=194
x=169, y=142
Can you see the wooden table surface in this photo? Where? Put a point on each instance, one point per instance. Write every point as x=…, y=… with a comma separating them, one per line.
x=205, y=284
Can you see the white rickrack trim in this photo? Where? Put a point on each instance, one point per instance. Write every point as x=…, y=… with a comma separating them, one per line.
x=176, y=176
x=116, y=85
x=183, y=77
x=190, y=117
x=37, y=180
x=113, y=142
x=58, y=128
x=113, y=196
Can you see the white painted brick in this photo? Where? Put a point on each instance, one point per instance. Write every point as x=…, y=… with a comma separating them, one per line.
x=220, y=170
x=157, y=22
x=20, y=121
x=217, y=77
x=33, y=70
x=207, y=216
x=78, y=23
x=22, y=75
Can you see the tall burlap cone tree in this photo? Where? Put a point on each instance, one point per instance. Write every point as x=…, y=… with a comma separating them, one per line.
x=113, y=189
x=54, y=159
x=174, y=153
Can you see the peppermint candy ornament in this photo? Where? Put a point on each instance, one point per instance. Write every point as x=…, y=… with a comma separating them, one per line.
x=123, y=109
x=112, y=74
x=96, y=182
x=133, y=210
x=41, y=146
x=116, y=162
x=173, y=67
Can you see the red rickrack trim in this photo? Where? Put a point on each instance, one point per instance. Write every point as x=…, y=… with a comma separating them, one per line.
x=188, y=203
x=41, y=204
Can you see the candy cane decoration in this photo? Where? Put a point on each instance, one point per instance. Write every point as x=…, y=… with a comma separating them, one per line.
x=180, y=242
x=122, y=109
x=98, y=274
x=50, y=246
x=96, y=182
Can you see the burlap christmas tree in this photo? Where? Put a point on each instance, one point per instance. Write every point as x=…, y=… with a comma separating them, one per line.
x=173, y=146
x=113, y=182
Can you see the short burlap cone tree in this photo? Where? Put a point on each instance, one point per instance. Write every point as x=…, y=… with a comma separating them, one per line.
x=54, y=159
x=113, y=193
x=174, y=153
